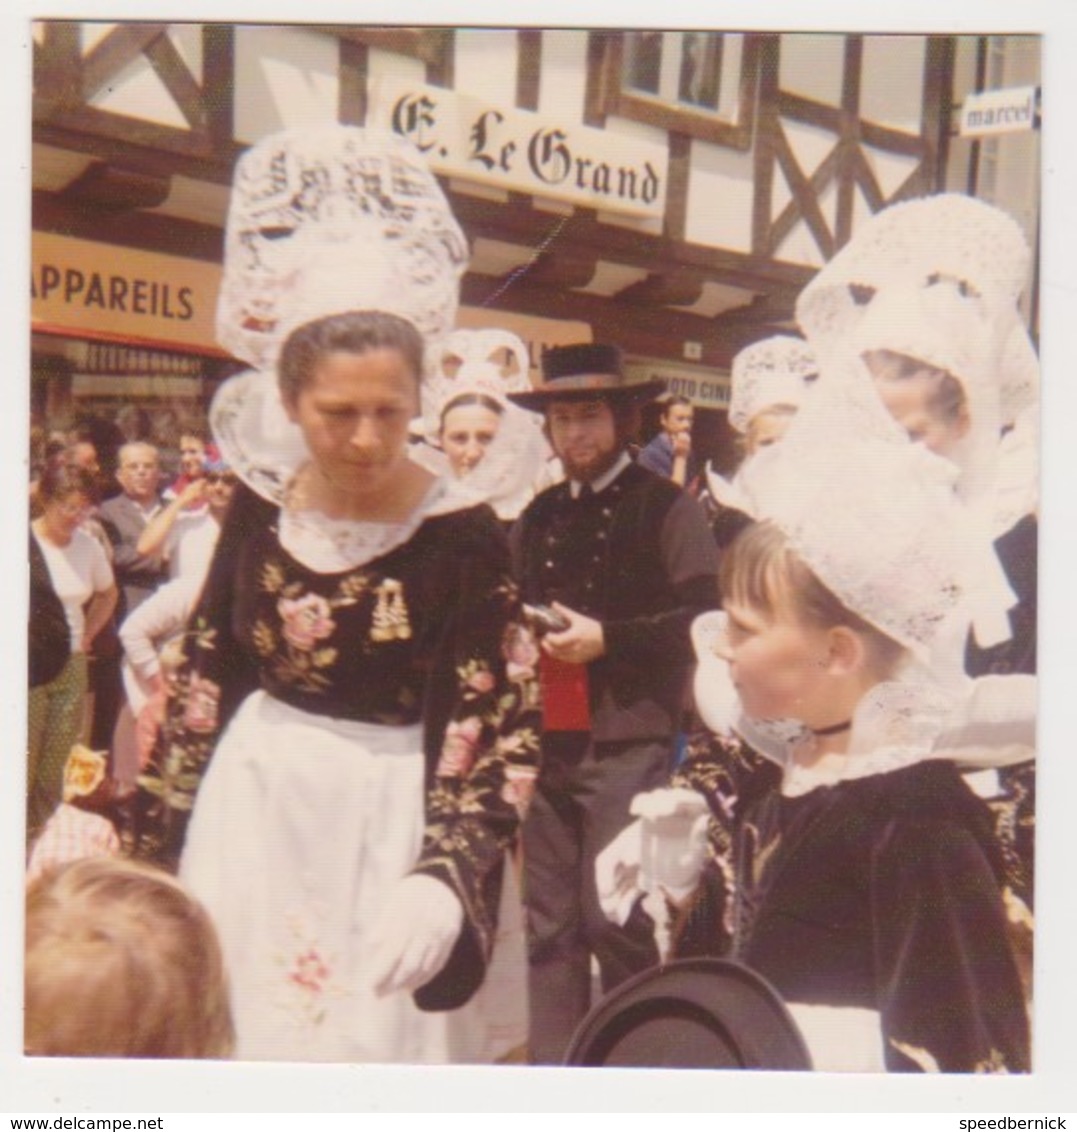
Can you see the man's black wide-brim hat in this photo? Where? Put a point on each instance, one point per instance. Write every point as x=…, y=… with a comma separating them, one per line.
x=584, y=372
x=691, y=1014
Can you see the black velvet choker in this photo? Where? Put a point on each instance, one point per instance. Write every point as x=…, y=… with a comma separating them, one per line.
x=833, y=729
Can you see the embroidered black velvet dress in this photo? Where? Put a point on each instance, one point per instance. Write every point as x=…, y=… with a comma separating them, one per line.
x=407, y=648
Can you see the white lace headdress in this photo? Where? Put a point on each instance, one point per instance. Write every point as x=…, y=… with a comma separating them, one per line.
x=937, y=278
x=322, y=220
x=492, y=362
x=329, y=219
x=876, y=519
x=774, y=371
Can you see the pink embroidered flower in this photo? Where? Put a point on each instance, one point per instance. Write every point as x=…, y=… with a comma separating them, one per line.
x=519, y=787
x=200, y=712
x=481, y=681
x=521, y=654
x=458, y=749
x=306, y=620
x=310, y=971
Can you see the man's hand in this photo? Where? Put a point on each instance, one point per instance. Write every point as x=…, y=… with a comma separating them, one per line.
x=582, y=642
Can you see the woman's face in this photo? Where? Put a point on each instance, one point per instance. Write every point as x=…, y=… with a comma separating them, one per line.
x=466, y=432
x=354, y=412
x=908, y=400
x=63, y=515
x=767, y=427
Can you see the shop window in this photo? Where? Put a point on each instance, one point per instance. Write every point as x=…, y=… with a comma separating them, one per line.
x=700, y=83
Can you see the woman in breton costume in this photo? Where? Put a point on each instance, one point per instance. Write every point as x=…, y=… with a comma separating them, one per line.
x=356, y=751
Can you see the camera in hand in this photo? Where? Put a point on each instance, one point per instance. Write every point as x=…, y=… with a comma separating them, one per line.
x=544, y=619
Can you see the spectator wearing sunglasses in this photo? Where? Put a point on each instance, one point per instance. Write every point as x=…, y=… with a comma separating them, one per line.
x=185, y=531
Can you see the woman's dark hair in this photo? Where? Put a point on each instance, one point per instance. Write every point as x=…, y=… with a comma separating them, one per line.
x=466, y=400
x=64, y=480
x=352, y=332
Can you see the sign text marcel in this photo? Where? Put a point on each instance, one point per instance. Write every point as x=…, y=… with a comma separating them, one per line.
x=516, y=149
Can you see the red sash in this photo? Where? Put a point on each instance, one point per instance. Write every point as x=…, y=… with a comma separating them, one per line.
x=566, y=704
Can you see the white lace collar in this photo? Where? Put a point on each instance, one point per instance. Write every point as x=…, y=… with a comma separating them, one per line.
x=330, y=546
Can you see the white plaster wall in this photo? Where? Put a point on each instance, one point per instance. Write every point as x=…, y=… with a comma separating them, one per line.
x=720, y=189
x=138, y=92
x=284, y=77
x=811, y=66
x=485, y=64
x=892, y=79
x=563, y=80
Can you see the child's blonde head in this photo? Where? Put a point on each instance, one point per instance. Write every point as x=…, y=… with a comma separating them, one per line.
x=762, y=572
x=121, y=962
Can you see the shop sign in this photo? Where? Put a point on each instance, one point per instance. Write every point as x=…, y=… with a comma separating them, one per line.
x=518, y=150
x=999, y=112
x=705, y=388
x=82, y=288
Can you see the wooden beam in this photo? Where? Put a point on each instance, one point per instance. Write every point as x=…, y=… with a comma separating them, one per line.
x=141, y=230
x=57, y=69
x=649, y=332
x=115, y=188
x=938, y=87
x=677, y=289
x=806, y=200
x=353, y=71
x=140, y=144
x=121, y=46
x=179, y=82
x=528, y=67
x=516, y=223
x=849, y=144
x=776, y=306
x=767, y=127
x=790, y=215
x=680, y=159
x=218, y=83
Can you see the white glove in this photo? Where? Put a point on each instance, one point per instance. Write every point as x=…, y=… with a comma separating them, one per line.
x=617, y=874
x=662, y=852
x=674, y=840
x=414, y=934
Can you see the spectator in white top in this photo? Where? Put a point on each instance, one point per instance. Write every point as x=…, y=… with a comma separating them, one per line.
x=79, y=575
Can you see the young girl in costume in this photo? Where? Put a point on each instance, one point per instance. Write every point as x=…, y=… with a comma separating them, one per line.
x=856, y=870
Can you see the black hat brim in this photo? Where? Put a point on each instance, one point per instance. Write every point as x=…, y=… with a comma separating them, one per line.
x=537, y=399
x=691, y=1014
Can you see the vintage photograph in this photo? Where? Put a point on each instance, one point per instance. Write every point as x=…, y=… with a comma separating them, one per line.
x=533, y=546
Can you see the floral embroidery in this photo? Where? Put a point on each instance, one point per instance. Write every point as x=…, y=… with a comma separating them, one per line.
x=310, y=971
x=306, y=621
x=993, y=1063
x=459, y=747
x=519, y=787
x=203, y=700
x=521, y=652
x=307, y=972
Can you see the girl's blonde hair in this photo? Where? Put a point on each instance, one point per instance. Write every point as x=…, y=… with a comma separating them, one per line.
x=762, y=572
x=121, y=962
